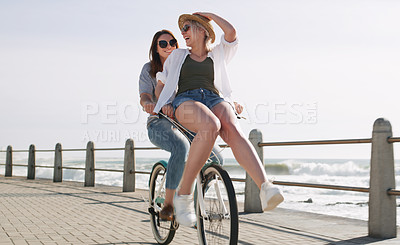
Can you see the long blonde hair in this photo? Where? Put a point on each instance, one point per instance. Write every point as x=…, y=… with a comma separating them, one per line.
x=196, y=26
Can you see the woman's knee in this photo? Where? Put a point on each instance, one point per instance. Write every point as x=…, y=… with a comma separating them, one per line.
x=209, y=130
x=214, y=125
x=180, y=149
x=230, y=131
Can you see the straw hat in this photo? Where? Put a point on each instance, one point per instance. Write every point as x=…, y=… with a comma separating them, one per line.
x=201, y=19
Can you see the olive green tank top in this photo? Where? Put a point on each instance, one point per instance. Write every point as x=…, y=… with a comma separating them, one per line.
x=196, y=75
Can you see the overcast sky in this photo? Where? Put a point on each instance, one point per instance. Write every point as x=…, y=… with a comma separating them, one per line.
x=305, y=70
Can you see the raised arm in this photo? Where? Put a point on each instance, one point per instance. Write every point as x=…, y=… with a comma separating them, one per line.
x=227, y=28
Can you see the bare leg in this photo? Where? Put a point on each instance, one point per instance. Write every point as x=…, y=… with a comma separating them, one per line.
x=169, y=197
x=167, y=211
x=198, y=118
x=241, y=147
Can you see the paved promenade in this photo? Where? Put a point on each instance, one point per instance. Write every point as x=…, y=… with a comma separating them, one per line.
x=43, y=212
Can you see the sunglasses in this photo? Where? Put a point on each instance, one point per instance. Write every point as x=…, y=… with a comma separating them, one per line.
x=164, y=44
x=185, y=28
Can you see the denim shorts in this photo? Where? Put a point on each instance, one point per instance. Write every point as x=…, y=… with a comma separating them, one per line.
x=205, y=96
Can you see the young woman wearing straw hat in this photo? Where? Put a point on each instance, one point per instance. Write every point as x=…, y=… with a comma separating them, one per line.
x=160, y=131
x=195, y=89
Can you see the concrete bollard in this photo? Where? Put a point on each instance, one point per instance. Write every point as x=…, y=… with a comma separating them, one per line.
x=252, y=203
x=32, y=162
x=9, y=162
x=58, y=172
x=89, y=168
x=129, y=167
x=382, y=207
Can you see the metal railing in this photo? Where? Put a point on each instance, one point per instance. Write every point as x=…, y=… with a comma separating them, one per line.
x=382, y=220
x=75, y=150
x=260, y=144
x=318, y=142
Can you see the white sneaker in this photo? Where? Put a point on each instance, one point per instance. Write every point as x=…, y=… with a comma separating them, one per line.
x=184, y=210
x=270, y=196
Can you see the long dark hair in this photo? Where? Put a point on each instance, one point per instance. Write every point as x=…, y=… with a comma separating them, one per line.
x=154, y=56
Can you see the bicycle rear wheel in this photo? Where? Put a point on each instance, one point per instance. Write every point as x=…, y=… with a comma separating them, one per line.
x=220, y=224
x=163, y=231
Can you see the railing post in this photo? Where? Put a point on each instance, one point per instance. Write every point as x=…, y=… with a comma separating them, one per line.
x=252, y=203
x=129, y=167
x=382, y=207
x=9, y=162
x=58, y=172
x=31, y=162
x=89, y=168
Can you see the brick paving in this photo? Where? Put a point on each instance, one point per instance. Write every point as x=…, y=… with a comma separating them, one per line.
x=42, y=212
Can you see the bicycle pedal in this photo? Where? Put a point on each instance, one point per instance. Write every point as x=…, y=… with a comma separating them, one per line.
x=175, y=224
x=151, y=211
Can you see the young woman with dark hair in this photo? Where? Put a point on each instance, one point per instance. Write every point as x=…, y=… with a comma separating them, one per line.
x=160, y=131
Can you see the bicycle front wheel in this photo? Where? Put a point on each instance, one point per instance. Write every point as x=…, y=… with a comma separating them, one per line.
x=219, y=221
x=163, y=231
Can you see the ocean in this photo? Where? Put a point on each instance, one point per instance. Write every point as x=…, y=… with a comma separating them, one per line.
x=344, y=172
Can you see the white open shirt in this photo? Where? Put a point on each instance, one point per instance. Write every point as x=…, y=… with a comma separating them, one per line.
x=221, y=55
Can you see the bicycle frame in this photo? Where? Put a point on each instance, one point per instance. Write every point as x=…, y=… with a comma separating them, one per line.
x=200, y=198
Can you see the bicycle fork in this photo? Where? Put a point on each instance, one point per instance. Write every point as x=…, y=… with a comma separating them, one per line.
x=200, y=197
x=156, y=207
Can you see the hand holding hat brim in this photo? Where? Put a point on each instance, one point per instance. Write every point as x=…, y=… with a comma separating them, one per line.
x=202, y=18
x=204, y=14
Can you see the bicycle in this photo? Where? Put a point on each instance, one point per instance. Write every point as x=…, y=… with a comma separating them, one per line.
x=215, y=204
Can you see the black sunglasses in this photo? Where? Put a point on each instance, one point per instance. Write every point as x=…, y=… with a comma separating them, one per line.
x=164, y=44
x=185, y=28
